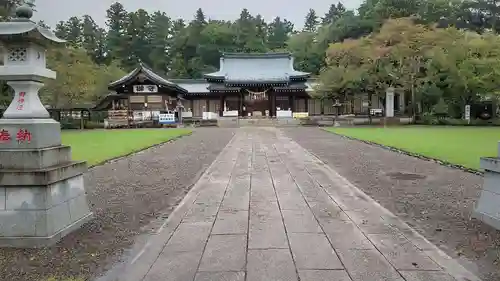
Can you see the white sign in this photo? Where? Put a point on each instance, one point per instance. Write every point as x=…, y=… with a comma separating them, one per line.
x=467, y=112
x=145, y=89
x=168, y=118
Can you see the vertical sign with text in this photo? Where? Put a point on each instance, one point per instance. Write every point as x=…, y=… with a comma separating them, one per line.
x=20, y=101
x=467, y=113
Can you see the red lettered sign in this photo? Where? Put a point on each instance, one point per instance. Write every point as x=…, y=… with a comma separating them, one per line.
x=23, y=135
x=20, y=101
x=5, y=136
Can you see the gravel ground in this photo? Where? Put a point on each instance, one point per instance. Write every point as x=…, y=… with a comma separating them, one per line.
x=125, y=196
x=438, y=206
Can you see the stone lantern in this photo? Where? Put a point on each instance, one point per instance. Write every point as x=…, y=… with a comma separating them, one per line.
x=42, y=195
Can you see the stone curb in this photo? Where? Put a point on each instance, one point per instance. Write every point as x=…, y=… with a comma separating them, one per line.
x=118, y=158
x=412, y=154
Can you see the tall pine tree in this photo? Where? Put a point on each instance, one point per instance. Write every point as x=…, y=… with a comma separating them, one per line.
x=311, y=22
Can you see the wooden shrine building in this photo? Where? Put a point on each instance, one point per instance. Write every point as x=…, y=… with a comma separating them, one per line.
x=246, y=85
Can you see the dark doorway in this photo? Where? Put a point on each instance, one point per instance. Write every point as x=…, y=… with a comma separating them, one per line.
x=255, y=104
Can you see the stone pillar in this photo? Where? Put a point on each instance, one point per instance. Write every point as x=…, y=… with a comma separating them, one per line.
x=42, y=193
x=389, y=102
x=488, y=206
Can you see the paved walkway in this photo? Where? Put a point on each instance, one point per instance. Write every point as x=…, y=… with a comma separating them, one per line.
x=268, y=210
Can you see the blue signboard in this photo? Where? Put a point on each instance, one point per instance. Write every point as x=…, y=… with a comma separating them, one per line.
x=167, y=118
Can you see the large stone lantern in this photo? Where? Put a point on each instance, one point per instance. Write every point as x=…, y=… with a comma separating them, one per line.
x=488, y=205
x=42, y=195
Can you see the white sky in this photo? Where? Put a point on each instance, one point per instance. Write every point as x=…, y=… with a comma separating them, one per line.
x=53, y=11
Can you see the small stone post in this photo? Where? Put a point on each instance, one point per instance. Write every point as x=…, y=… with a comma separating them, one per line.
x=42, y=195
x=389, y=102
x=488, y=206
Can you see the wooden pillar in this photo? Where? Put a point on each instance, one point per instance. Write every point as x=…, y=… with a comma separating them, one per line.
x=292, y=102
x=240, y=104
x=270, y=104
x=273, y=104
x=322, y=107
x=306, y=101
x=221, y=106
x=207, y=105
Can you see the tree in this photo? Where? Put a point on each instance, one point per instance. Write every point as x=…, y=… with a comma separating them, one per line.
x=278, y=34
x=78, y=81
x=161, y=26
x=93, y=40
x=333, y=14
x=311, y=22
x=307, y=56
x=138, y=36
x=117, y=24
x=428, y=64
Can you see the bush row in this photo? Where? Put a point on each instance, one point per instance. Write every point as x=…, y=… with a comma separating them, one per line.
x=431, y=120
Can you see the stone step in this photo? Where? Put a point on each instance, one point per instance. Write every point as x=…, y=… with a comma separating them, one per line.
x=45, y=176
x=34, y=158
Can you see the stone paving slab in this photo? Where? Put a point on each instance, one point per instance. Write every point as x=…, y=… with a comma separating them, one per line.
x=268, y=210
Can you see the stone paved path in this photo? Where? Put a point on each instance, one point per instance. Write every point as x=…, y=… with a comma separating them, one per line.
x=268, y=210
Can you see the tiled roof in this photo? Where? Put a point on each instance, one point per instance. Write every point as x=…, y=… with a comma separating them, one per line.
x=192, y=85
x=266, y=68
x=149, y=75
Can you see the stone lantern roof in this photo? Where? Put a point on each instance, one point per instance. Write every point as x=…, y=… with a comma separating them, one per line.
x=23, y=28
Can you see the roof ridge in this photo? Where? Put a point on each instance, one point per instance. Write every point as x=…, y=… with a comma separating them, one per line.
x=256, y=55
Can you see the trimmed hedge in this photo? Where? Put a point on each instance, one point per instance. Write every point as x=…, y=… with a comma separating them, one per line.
x=431, y=120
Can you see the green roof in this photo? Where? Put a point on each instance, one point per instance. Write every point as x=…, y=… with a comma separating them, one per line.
x=256, y=67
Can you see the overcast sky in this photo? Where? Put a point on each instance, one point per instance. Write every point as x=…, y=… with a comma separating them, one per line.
x=53, y=11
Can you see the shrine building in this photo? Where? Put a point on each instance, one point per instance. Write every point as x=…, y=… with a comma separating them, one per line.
x=245, y=86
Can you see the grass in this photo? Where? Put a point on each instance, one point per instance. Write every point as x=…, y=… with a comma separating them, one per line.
x=97, y=146
x=457, y=145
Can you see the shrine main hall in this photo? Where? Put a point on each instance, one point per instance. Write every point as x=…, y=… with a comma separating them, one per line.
x=246, y=85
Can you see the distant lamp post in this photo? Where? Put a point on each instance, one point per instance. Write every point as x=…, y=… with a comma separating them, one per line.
x=337, y=106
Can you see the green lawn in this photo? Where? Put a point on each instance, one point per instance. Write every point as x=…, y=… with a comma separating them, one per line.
x=97, y=146
x=458, y=145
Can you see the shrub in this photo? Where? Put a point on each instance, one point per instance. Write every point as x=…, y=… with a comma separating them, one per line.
x=432, y=120
x=93, y=125
x=429, y=119
x=440, y=109
x=70, y=123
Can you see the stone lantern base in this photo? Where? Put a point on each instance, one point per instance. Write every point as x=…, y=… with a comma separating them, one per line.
x=42, y=195
x=488, y=206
